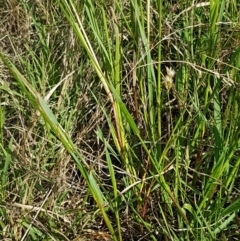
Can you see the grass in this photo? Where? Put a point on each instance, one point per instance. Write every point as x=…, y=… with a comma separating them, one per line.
x=119, y=120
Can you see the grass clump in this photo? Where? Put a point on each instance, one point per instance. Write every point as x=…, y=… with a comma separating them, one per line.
x=119, y=120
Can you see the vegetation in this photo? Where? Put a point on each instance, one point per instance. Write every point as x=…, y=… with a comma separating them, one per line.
x=119, y=120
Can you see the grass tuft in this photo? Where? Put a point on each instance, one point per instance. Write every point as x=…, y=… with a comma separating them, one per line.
x=119, y=120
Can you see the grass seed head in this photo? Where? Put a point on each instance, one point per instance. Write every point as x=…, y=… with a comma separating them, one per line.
x=170, y=72
x=168, y=79
x=168, y=82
